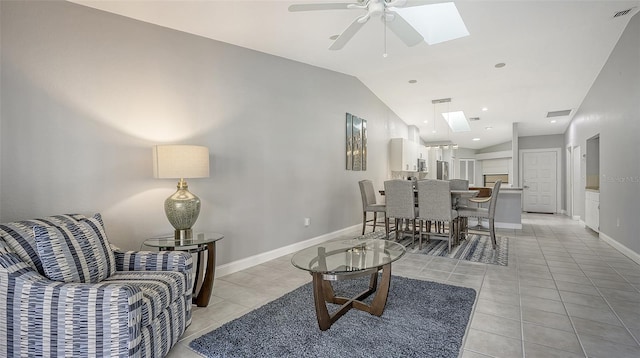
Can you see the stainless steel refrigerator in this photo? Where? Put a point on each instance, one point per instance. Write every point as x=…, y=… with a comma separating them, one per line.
x=442, y=170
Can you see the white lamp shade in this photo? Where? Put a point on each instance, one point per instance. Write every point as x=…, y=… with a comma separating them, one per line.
x=180, y=161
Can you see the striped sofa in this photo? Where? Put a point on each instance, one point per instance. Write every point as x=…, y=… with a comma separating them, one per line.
x=139, y=307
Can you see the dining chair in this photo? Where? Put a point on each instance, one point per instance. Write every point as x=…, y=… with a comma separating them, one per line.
x=400, y=204
x=484, y=213
x=369, y=204
x=460, y=184
x=484, y=196
x=434, y=204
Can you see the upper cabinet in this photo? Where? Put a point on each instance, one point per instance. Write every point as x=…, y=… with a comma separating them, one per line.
x=404, y=155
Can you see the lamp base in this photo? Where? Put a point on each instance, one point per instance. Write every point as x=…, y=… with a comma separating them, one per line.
x=182, y=235
x=182, y=209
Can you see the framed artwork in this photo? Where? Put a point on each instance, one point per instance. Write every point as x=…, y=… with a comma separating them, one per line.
x=356, y=143
x=349, y=142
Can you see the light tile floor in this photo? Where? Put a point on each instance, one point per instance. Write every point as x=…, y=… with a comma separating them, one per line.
x=565, y=293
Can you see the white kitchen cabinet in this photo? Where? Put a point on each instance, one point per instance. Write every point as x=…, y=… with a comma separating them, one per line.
x=404, y=155
x=592, y=210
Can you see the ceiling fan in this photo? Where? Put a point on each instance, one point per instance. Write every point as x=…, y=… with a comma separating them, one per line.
x=384, y=9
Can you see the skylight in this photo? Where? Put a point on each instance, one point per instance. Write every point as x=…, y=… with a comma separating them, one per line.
x=457, y=121
x=436, y=22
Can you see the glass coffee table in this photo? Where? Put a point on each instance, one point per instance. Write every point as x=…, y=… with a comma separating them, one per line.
x=348, y=259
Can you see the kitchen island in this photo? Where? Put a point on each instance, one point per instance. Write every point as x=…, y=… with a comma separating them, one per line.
x=508, y=207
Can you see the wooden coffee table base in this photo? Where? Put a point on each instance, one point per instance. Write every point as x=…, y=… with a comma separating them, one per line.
x=323, y=293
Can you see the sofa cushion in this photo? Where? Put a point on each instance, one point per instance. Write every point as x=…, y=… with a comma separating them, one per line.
x=76, y=252
x=159, y=289
x=20, y=238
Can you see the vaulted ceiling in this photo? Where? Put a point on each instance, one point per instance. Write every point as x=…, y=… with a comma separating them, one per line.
x=552, y=52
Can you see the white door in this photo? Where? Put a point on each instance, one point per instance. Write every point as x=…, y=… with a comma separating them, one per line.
x=539, y=181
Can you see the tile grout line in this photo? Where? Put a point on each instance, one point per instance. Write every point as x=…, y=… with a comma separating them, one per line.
x=575, y=331
x=607, y=301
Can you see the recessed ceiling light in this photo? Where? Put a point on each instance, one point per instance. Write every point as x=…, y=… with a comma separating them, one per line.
x=484, y=109
x=433, y=131
x=475, y=139
x=334, y=37
x=500, y=65
x=413, y=81
x=552, y=121
x=488, y=128
x=425, y=121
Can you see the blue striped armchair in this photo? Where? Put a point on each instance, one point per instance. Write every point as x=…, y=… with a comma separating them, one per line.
x=102, y=302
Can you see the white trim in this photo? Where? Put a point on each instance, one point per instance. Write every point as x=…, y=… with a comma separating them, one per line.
x=558, y=152
x=620, y=247
x=576, y=217
x=251, y=261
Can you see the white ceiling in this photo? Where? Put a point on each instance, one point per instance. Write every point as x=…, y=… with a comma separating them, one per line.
x=553, y=51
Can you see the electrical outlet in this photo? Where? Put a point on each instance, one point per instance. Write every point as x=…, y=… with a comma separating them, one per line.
x=307, y=221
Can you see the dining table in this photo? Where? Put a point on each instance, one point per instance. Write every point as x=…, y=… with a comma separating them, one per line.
x=456, y=195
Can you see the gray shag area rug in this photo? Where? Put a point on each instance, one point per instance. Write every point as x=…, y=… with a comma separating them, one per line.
x=421, y=319
x=476, y=248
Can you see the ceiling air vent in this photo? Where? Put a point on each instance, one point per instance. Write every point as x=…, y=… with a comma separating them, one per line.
x=473, y=119
x=562, y=113
x=623, y=12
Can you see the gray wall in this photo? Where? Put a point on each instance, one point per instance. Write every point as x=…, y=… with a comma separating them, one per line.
x=495, y=148
x=611, y=109
x=541, y=142
x=85, y=94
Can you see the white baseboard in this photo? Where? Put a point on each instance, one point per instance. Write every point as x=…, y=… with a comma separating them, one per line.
x=576, y=217
x=620, y=247
x=247, y=262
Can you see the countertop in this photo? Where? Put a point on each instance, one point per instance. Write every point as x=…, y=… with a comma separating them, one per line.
x=510, y=189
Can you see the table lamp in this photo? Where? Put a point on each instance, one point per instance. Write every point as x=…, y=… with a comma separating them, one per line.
x=180, y=162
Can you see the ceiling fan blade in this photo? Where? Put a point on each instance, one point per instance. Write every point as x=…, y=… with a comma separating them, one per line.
x=314, y=7
x=403, y=30
x=347, y=34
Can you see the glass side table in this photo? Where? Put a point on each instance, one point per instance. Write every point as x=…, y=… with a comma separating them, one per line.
x=200, y=243
x=343, y=260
